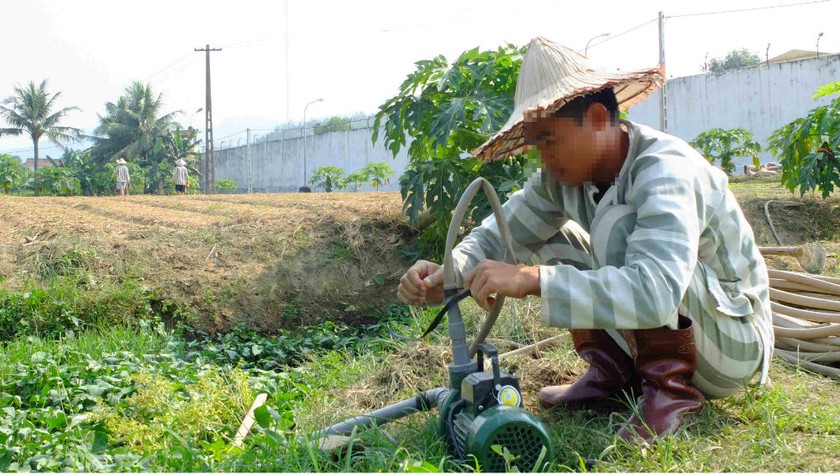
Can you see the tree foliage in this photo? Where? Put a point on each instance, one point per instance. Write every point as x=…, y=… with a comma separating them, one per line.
x=735, y=59
x=134, y=128
x=13, y=173
x=334, y=124
x=379, y=173
x=442, y=112
x=30, y=111
x=808, y=147
x=725, y=144
x=60, y=181
x=328, y=178
x=94, y=179
x=357, y=179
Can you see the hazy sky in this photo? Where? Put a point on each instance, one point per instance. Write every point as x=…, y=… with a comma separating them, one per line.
x=278, y=56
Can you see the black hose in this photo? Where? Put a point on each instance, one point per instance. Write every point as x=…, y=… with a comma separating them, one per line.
x=424, y=401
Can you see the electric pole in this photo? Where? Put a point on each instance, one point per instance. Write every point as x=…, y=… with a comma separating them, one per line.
x=208, y=168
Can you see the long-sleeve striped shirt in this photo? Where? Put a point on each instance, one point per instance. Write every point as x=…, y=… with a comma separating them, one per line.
x=686, y=217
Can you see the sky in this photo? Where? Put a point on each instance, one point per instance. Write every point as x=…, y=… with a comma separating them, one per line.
x=279, y=56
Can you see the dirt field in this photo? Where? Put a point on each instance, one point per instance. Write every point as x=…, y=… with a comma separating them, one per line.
x=279, y=260
x=274, y=260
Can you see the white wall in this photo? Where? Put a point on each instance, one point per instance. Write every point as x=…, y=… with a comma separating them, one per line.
x=277, y=164
x=759, y=99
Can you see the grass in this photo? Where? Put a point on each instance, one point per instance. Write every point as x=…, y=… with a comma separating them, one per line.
x=121, y=398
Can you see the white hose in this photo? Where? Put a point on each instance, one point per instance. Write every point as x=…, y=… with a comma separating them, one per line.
x=806, y=320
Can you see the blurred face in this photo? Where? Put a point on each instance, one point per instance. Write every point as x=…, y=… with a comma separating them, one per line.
x=572, y=151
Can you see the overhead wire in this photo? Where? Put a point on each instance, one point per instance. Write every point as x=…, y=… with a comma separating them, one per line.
x=612, y=37
x=768, y=7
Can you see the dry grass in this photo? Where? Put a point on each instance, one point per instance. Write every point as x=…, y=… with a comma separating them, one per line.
x=228, y=258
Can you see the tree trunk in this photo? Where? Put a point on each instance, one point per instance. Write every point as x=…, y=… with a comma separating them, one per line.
x=35, y=169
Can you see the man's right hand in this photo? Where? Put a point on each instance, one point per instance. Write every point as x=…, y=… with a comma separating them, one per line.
x=423, y=282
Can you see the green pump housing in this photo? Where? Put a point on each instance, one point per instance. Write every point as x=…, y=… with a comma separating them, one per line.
x=483, y=411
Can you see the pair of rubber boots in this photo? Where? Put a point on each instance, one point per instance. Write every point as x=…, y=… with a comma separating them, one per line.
x=660, y=368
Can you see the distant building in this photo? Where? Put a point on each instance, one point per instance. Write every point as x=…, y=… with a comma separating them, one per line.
x=796, y=55
x=42, y=163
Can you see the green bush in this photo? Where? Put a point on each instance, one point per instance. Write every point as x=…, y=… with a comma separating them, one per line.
x=808, y=147
x=13, y=173
x=726, y=144
x=224, y=185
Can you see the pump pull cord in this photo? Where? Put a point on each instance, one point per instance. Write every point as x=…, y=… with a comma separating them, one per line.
x=438, y=318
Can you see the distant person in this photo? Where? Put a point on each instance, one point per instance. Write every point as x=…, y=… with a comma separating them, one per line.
x=181, y=177
x=123, y=178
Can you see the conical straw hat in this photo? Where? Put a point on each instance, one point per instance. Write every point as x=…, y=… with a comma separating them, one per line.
x=553, y=75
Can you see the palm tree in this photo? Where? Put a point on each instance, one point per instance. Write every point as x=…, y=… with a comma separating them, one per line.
x=132, y=129
x=29, y=111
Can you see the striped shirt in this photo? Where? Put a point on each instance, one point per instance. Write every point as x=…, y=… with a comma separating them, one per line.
x=687, y=224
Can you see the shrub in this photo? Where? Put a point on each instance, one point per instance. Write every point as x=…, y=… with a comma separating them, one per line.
x=224, y=185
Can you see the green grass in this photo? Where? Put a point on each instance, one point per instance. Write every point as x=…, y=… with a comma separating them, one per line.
x=120, y=398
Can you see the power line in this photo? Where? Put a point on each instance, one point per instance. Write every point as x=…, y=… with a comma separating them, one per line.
x=751, y=9
x=169, y=66
x=612, y=37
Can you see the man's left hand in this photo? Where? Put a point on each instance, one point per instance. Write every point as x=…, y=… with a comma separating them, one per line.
x=498, y=278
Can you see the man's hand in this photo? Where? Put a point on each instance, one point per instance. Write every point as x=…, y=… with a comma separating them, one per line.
x=423, y=282
x=493, y=277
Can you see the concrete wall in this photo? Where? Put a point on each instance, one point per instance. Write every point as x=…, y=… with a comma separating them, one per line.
x=277, y=160
x=759, y=99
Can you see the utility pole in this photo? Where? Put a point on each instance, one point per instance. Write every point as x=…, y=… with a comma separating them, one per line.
x=248, y=155
x=208, y=168
x=663, y=118
x=288, y=117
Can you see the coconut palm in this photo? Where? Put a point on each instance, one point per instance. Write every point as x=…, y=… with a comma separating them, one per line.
x=132, y=129
x=29, y=111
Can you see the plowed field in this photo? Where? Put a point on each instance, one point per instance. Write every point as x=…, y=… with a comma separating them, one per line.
x=273, y=259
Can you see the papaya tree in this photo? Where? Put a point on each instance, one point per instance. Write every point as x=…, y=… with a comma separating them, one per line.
x=358, y=179
x=448, y=110
x=725, y=144
x=328, y=178
x=378, y=173
x=808, y=147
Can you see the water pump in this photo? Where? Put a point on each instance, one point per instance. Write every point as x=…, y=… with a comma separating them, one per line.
x=481, y=413
x=484, y=418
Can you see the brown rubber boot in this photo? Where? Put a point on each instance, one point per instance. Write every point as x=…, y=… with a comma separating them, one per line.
x=665, y=359
x=610, y=371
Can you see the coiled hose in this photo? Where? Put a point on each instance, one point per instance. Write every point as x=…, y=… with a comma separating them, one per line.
x=806, y=320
